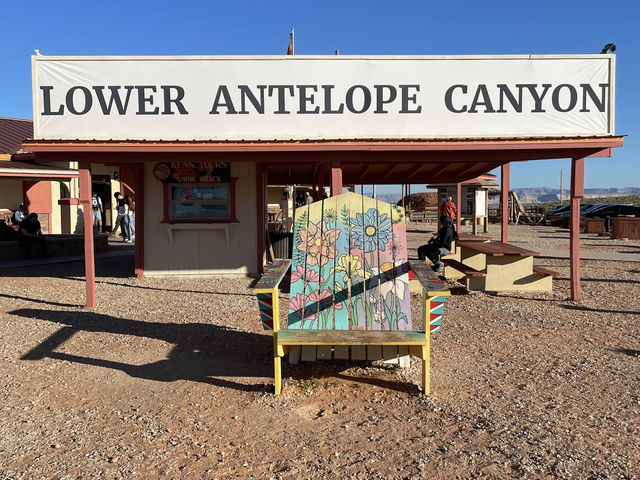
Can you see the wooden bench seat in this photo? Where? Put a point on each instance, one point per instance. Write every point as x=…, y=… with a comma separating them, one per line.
x=350, y=337
x=544, y=271
x=462, y=268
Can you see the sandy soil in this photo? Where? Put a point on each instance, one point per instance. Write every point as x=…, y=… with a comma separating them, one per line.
x=171, y=378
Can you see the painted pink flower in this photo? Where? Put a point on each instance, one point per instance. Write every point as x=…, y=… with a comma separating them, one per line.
x=302, y=303
x=310, y=276
x=325, y=298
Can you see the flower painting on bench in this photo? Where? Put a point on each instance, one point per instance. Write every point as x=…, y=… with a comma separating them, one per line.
x=349, y=266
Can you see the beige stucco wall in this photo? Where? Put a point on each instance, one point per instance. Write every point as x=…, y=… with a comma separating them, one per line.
x=10, y=193
x=197, y=252
x=55, y=220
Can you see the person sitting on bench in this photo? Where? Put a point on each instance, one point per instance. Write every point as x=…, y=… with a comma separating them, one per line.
x=438, y=245
x=30, y=233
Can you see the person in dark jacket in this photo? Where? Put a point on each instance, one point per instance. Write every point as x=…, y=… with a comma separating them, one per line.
x=438, y=245
x=30, y=233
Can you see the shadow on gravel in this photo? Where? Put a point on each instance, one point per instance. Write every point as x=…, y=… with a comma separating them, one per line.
x=36, y=300
x=627, y=351
x=601, y=310
x=201, y=352
x=609, y=280
x=317, y=374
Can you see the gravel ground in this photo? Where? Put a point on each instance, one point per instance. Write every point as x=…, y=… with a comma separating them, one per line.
x=538, y=237
x=171, y=378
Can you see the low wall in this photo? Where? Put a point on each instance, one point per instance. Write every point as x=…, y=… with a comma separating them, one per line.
x=622, y=227
x=57, y=246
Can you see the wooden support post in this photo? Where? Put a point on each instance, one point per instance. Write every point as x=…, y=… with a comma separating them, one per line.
x=486, y=210
x=505, y=181
x=577, y=192
x=320, y=182
x=458, y=206
x=474, y=217
x=139, y=222
x=336, y=178
x=87, y=213
x=260, y=213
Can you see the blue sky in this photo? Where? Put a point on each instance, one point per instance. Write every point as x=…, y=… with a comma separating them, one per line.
x=139, y=27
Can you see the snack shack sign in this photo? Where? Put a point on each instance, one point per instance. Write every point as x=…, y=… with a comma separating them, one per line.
x=321, y=97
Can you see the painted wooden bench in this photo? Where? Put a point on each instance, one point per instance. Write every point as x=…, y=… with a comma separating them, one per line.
x=349, y=284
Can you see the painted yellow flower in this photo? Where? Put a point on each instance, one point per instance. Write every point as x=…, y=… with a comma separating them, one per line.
x=351, y=265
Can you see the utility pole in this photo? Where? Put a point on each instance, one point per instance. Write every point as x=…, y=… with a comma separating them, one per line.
x=560, y=186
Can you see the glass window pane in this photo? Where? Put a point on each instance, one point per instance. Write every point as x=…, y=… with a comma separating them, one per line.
x=179, y=210
x=214, y=211
x=182, y=193
x=211, y=192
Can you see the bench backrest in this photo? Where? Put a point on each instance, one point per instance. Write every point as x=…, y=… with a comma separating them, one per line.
x=349, y=267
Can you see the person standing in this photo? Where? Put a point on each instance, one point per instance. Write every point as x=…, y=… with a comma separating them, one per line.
x=438, y=245
x=122, y=220
x=448, y=211
x=20, y=215
x=96, y=207
x=307, y=198
x=131, y=207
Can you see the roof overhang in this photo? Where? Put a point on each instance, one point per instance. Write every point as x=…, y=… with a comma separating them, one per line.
x=362, y=161
x=35, y=172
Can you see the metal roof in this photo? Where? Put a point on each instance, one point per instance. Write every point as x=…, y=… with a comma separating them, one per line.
x=12, y=132
x=34, y=170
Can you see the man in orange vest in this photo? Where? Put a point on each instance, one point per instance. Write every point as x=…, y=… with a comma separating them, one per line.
x=448, y=210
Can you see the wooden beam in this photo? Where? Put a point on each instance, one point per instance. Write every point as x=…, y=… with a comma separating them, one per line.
x=139, y=221
x=467, y=169
x=336, y=178
x=260, y=213
x=89, y=259
x=422, y=167
x=440, y=170
x=577, y=192
x=366, y=170
x=459, y=205
x=505, y=182
x=390, y=172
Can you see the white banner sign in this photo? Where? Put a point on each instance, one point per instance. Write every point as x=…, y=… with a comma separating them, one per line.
x=325, y=97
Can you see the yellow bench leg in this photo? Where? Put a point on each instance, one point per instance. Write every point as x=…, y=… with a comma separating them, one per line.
x=426, y=376
x=277, y=374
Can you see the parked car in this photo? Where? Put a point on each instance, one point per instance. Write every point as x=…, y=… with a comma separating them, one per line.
x=611, y=211
x=557, y=210
x=562, y=217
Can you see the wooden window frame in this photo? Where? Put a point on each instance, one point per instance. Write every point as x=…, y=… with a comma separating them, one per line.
x=166, y=194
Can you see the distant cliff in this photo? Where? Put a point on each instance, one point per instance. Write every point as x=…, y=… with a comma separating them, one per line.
x=547, y=194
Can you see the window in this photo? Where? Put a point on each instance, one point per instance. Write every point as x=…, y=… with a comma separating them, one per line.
x=200, y=202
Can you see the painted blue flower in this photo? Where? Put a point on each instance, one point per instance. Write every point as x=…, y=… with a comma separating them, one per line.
x=370, y=229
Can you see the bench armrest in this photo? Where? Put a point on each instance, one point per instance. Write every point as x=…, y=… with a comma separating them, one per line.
x=267, y=292
x=430, y=282
x=433, y=296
